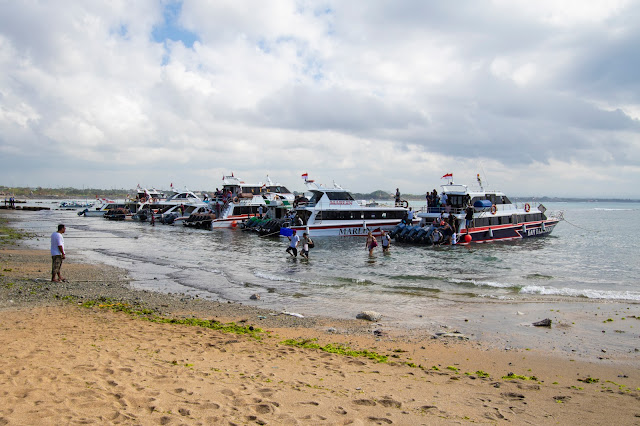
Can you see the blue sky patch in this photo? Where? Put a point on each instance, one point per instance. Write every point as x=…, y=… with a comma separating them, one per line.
x=170, y=29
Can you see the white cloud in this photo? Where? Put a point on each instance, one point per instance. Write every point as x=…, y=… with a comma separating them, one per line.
x=375, y=95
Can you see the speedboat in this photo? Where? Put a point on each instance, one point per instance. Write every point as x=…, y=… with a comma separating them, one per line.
x=238, y=201
x=492, y=217
x=72, y=205
x=177, y=207
x=334, y=212
x=101, y=206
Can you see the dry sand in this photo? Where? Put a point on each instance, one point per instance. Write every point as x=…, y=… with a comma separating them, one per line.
x=65, y=364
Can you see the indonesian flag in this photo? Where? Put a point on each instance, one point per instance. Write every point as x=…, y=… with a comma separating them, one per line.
x=305, y=176
x=448, y=175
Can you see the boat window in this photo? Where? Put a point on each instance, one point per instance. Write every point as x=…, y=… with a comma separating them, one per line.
x=494, y=221
x=315, y=198
x=339, y=196
x=278, y=189
x=255, y=190
x=456, y=200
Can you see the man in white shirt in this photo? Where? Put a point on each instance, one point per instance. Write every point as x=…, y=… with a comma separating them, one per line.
x=293, y=245
x=57, y=254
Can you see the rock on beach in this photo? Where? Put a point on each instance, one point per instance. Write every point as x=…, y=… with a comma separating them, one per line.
x=369, y=316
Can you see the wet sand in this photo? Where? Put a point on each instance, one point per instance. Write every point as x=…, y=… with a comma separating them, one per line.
x=63, y=363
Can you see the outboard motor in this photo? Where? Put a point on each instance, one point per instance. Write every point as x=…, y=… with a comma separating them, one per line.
x=402, y=236
x=420, y=236
x=412, y=233
x=396, y=230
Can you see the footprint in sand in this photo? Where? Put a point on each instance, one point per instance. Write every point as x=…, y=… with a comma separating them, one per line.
x=365, y=402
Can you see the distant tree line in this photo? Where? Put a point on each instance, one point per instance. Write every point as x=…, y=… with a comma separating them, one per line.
x=39, y=192
x=68, y=193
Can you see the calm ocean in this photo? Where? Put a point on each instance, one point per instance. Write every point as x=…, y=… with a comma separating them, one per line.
x=592, y=256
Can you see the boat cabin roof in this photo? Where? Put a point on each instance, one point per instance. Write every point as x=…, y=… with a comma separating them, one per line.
x=185, y=195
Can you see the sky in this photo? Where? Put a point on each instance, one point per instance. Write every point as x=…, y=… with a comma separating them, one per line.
x=539, y=98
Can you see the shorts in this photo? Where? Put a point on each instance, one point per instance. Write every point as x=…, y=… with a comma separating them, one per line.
x=56, y=264
x=304, y=253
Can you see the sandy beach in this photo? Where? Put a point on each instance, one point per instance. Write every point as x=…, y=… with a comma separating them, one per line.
x=65, y=363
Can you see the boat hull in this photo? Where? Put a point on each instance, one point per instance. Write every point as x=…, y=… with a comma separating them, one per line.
x=358, y=229
x=508, y=232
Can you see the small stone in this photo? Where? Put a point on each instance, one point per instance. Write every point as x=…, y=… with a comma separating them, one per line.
x=332, y=330
x=543, y=323
x=255, y=296
x=369, y=316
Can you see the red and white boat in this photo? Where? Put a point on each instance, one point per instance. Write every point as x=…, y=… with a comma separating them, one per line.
x=493, y=217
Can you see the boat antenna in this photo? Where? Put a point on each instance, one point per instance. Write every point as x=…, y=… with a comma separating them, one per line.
x=482, y=169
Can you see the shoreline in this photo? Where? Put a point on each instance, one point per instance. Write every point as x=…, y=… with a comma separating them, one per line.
x=426, y=381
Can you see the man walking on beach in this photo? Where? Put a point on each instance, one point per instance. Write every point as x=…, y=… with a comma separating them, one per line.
x=57, y=253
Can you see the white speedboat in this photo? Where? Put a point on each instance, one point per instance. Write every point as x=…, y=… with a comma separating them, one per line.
x=334, y=212
x=238, y=201
x=99, y=208
x=72, y=205
x=492, y=217
x=177, y=207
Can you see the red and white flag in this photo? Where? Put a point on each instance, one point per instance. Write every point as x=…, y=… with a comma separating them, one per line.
x=448, y=175
x=305, y=176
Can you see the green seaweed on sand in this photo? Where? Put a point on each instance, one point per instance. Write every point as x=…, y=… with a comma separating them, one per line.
x=11, y=236
x=335, y=349
x=149, y=315
x=512, y=376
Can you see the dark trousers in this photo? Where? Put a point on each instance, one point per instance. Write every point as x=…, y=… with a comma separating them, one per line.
x=293, y=250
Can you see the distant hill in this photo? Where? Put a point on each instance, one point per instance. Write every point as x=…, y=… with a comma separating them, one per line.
x=71, y=193
x=67, y=193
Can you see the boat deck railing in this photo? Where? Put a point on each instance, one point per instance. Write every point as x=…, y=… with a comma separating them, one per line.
x=440, y=210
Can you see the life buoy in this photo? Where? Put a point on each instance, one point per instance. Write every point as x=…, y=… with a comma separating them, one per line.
x=405, y=204
x=527, y=207
x=235, y=199
x=494, y=209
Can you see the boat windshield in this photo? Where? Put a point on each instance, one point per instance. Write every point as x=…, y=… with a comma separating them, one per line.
x=334, y=196
x=278, y=189
x=315, y=198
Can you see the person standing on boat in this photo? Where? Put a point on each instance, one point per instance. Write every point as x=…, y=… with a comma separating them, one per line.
x=293, y=245
x=469, y=217
x=57, y=254
x=443, y=198
x=397, y=196
x=371, y=243
x=260, y=211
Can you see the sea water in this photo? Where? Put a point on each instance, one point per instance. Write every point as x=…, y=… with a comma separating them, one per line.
x=591, y=256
